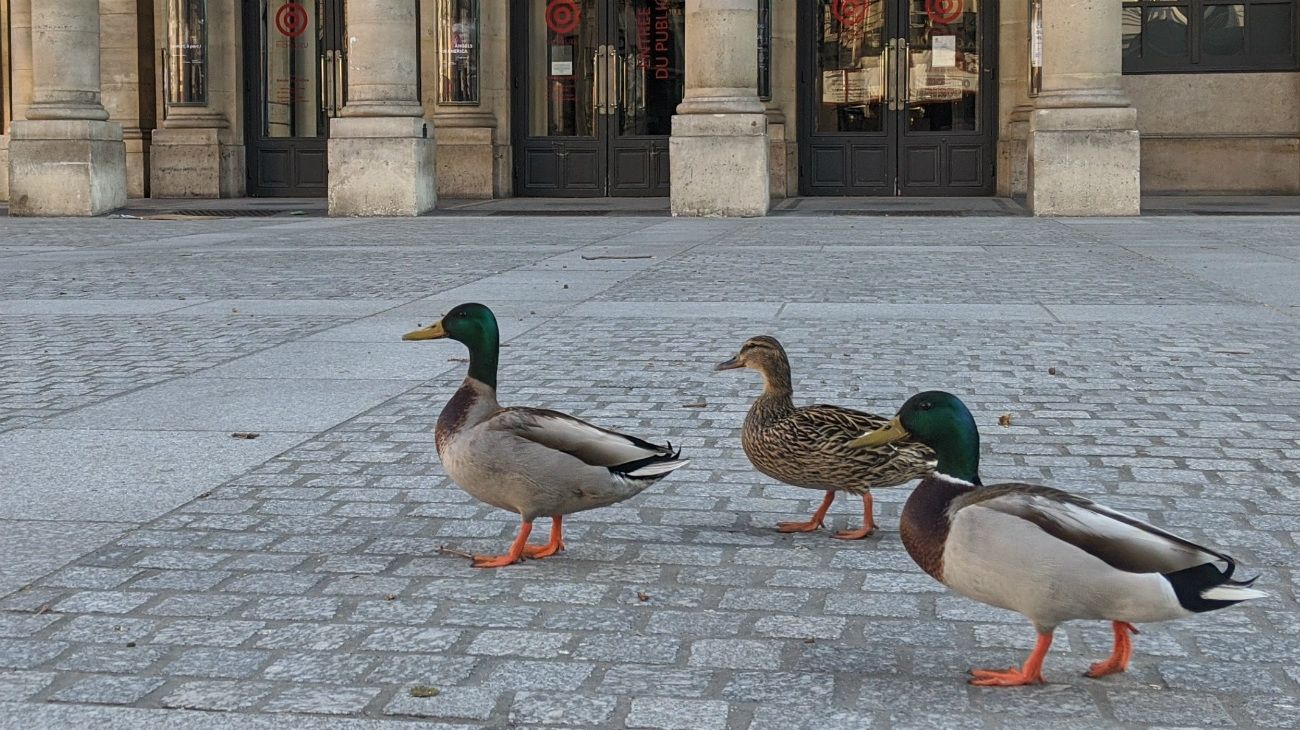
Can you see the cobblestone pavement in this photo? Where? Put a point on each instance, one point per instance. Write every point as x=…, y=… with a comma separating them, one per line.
x=155, y=567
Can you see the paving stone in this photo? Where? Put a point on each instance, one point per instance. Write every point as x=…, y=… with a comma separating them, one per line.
x=114, y=659
x=303, y=608
x=671, y=714
x=735, y=654
x=206, y=633
x=225, y=695
x=780, y=688
x=102, y=602
x=618, y=648
x=197, y=605
x=538, y=644
x=497, y=617
x=232, y=663
x=181, y=580
x=104, y=630
x=422, y=669
x=106, y=690
x=319, y=668
x=403, y=639
x=21, y=685
x=308, y=637
x=458, y=703
x=531, y=675
x=642, y=679
x=799, y=718
x=1172, y=708
x=322, y=700
x=551, y=709
x=19, y=626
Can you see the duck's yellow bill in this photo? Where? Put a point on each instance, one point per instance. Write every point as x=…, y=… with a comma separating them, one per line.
x=432, y=332
x=881, y=436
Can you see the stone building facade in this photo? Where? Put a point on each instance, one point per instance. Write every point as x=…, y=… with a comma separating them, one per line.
x=721, y=105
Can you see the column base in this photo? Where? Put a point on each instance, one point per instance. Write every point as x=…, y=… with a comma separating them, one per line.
x=719, y=165
x=381, y=166
x=190, y=163
x=1083, y=162
x=66, y=168
x=4, y=168
x=466, y=146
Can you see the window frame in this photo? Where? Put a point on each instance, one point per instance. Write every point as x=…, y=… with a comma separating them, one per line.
x=1195, y=62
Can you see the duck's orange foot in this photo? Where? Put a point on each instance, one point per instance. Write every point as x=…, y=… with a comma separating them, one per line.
x=1119, y=656
x=543, y=551
x=1013, y=677
x=809, y=526
x=858, y=534
x=495, y=561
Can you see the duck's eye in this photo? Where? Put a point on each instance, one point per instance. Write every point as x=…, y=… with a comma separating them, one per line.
x=926, y=405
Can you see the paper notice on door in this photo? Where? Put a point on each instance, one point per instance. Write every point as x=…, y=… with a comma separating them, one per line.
x=561, y=68
x=943, y=51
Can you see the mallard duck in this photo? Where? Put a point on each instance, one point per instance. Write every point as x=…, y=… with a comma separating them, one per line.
x=530, y=461
x=809, y=446
x=1049, y=555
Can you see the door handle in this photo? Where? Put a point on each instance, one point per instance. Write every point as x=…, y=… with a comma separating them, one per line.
x=886, y=71
x=904, y=94
x=598, y=80
x=615, y=75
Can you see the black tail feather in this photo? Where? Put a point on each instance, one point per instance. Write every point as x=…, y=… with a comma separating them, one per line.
x=1190, y=583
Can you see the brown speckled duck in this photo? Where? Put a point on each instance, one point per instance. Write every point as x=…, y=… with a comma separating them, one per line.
x=530, y=461
x=1047, y=554
x=809, y=446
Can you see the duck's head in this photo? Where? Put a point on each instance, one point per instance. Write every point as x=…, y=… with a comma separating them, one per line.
x=941, y=421
x=761, y=353
x=475, y=326
x=468, y=323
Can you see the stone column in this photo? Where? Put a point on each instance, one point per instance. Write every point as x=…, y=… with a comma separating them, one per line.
x=1083, y=147
x=195, y=153
x=381, y=154
x=1014, y=103
x=19, y=86
x=67, y=158
x=719, y=145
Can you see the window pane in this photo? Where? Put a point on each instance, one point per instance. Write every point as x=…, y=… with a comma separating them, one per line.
x=850, y=67
x=1272, y=32
x=1165, y=37
x=1132, y=29
x=1223, y=32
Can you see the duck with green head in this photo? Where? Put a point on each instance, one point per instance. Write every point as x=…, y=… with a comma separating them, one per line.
x=530, y=461
x=1050, y=555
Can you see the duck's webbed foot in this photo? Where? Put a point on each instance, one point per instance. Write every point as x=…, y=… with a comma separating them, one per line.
x=868, y=522
x=1119, y=656
x=818, y=518
x=552, y=546
x=1031, y=673
x=516, y=550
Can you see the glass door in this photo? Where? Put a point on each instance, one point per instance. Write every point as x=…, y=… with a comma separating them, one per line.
x=596, y=84
x=896, y=98
x=295, y=69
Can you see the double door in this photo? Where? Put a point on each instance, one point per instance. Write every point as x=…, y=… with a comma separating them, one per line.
x=595, y=84
x=897, y=97
x=295, y=66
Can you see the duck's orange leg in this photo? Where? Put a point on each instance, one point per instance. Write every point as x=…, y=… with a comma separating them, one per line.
x=1031, y=673
x=553, y=546
x=516, y=550
x=1118, y=659
x=817, y=519
x=868, y=522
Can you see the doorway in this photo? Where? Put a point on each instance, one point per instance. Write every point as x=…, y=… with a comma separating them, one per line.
x=595, y=85
x=295, y=78
x=897, y=97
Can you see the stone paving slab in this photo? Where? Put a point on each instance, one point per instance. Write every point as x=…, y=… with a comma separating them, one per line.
x=309, y=586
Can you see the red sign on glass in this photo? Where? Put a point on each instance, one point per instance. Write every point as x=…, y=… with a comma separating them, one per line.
x=562, y=16
x=291, y=19
x=850, y=12
x=944, y=12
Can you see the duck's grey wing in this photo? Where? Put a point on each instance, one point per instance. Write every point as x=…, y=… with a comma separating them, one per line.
x=1122, y=541
x=592, y=445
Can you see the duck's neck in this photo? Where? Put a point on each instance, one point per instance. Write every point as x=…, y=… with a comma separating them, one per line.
x=484, y=352
x=958, y=452
x=777, y=399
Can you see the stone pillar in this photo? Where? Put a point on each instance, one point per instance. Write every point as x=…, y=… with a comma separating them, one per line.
x=195, y=153
x=1014, y=103
x=126, y=82
x=719, y=145
x=19, y=86
x=1083, y=147
x=381, y=153
x=67, y=158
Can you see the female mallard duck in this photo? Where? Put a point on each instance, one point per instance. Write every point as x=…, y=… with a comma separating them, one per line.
x=809, y=446
x=527, y=460
x=1047, y=554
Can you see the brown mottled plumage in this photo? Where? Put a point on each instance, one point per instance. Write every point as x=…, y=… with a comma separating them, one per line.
x=808, y=446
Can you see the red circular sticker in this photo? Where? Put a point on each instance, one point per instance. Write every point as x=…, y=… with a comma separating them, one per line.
x=562, y=16
x=944, y=12
x=291, y=19
x=850, y=12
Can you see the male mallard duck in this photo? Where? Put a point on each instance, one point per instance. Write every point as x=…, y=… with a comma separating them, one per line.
x=809, y=446
x=1047, y=554
x=528, y=460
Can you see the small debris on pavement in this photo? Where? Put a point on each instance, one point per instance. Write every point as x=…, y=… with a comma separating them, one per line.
x=1004, y=420
x=245, y=435
x=421, y=690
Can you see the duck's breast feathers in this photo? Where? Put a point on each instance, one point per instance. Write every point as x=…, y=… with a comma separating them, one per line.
x=1122, y=541
x=592, y=445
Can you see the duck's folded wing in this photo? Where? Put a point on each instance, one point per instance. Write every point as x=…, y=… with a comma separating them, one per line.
x=829, y=429
x=1120, y=540
x=594, y=445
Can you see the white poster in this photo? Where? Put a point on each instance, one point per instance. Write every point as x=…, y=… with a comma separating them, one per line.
x=944, y=51
x=561, y=68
